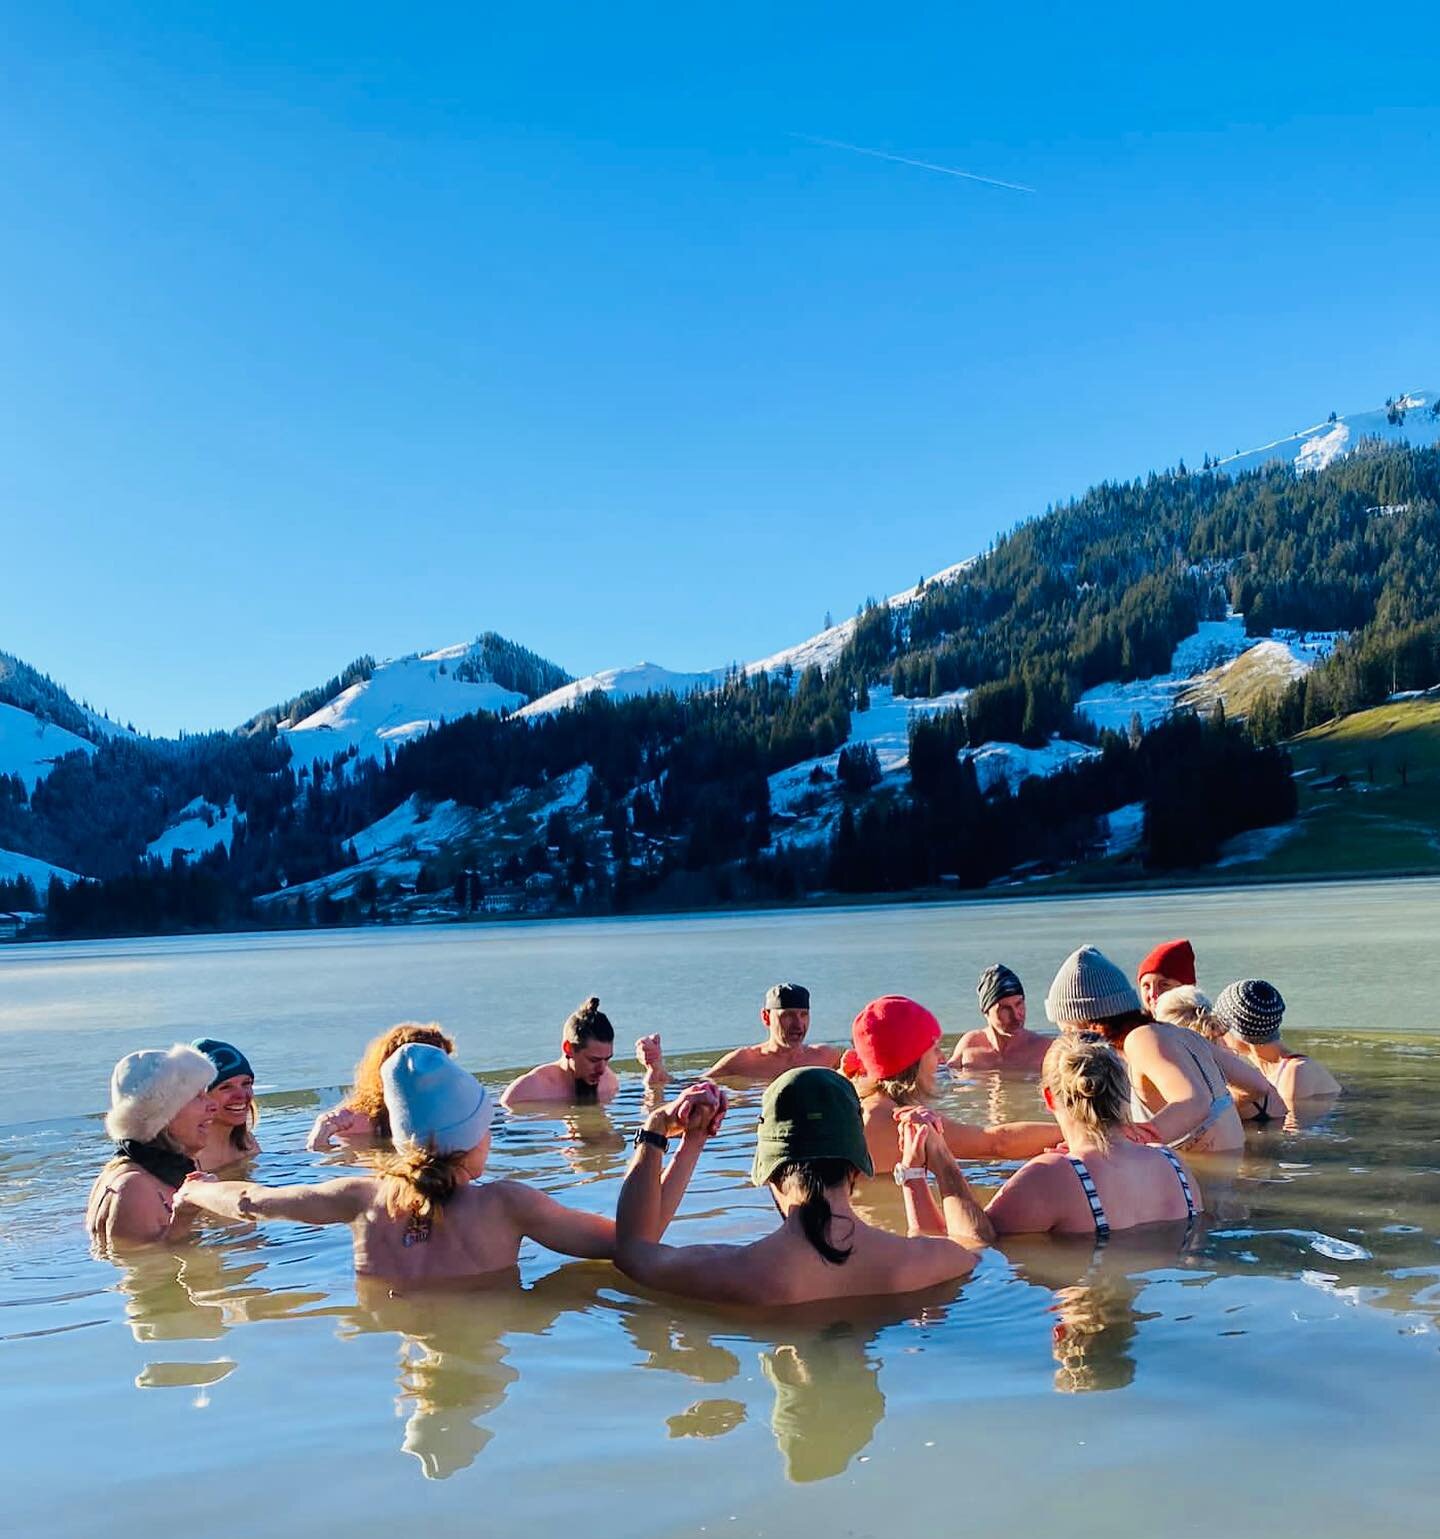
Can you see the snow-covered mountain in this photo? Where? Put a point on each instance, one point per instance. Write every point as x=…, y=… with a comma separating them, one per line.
x=1408, y=419
x=402, y=699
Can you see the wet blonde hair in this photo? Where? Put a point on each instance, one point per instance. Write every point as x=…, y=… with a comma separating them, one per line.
x=1089, y=1079
x=416, y=1182
x=1186, y=1006
x=368, y=1092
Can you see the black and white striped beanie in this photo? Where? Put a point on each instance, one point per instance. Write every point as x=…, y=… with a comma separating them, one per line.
x=1251, y=1007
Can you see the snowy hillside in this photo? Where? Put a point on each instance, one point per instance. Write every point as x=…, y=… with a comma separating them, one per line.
x=806, y=798
x=623, y=684
x=198, y=828
x=1314, y=448
x=404, y=699
x=13, y=866
x=1205, y=667
x=820, y=650
x=823, y=649
x=29, y=747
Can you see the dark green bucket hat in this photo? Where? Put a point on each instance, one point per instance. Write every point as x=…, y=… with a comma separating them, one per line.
x=809, y=1114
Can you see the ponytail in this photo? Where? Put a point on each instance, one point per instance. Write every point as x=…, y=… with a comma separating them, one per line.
x=1089, y=1079
x=416, y=1182
x=812, y=1179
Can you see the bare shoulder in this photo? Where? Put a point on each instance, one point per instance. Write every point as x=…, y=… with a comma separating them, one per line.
x=1311, y=1081
x=538, y=1084
x=738, y=1063
x=140, y=1207
x=935, y=1259
x=823, y=1054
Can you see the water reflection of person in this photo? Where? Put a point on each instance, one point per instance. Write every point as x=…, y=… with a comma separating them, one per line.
x=201, y=1292
x=1096, y=1292
x=454, y=1370
x=828, y=1402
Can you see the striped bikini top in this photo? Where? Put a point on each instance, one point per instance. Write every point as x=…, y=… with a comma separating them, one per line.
x=1097, y=1210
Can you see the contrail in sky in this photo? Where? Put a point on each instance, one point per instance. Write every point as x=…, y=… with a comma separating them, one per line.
x=905, y=160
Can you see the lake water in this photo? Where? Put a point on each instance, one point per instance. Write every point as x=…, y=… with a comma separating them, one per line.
x=1276, y=1373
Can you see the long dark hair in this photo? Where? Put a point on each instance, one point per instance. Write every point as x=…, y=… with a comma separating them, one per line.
x=812, y=1179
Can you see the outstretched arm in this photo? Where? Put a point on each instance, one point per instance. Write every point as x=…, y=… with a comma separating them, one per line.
x=539, y=1217
x=326, y=1202
x=1001, y=1141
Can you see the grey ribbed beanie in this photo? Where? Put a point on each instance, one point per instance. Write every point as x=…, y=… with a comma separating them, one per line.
x=1089, y=987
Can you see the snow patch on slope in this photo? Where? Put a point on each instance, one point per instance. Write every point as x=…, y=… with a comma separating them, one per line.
x=808, y=794
x=1111, y=706
x=1124, y=829
x=1014, y=762
x=823, y=649
x=1315, y=447
x=624, y=684
x=29, y=747
x=199, y=828
x=885, y=727
x=14, y=865
x=403, y=699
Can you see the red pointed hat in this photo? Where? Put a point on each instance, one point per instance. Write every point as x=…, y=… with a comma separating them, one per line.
x=891, y=1033
x=1171, y=959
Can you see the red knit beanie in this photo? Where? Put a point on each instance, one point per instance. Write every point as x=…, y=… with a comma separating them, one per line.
x=892, y=1033
x=1171, y=959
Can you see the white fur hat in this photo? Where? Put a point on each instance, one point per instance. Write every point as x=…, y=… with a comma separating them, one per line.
x=148, y=1088
x=433, y=1101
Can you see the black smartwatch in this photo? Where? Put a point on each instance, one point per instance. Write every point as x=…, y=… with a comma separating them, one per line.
x=645, y=1136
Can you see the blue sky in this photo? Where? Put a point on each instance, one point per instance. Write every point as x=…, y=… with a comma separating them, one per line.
x=335, y=329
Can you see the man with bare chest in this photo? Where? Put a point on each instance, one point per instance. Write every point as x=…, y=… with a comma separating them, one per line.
x=1004, y=1043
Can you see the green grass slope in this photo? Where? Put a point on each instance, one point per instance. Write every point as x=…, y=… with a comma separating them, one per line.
x=1369, y=796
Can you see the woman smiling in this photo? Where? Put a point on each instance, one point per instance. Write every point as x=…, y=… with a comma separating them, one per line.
x=233, y=1091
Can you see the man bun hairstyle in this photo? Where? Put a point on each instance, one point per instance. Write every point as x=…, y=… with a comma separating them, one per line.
x=587, y=1024
x=1089, y=1079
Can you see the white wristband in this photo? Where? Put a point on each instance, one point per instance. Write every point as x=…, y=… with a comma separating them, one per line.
x=904, y=1173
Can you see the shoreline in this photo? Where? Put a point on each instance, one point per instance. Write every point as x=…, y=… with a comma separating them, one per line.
x=1042, y=890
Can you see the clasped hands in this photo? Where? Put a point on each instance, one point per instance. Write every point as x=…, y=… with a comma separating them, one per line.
x=698, y=1110
x=922, y=1140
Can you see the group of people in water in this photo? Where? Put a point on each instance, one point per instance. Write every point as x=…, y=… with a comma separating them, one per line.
x=1142, y=1078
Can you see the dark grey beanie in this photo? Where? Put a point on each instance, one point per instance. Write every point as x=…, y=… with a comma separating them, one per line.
x=997, y=982
x=1089, y=987
x=1253, y=1008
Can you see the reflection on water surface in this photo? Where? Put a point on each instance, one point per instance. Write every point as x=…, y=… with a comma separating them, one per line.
x=255, y=1346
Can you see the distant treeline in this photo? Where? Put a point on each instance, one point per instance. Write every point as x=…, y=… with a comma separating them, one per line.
x=678, y=806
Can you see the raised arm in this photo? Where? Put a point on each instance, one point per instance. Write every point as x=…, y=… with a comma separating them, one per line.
x=342, y=1122
x=652, y=1059
x=326, y=1202
x=648, y=1200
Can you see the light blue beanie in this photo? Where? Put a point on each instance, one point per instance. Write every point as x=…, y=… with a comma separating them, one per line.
x=432, y=1101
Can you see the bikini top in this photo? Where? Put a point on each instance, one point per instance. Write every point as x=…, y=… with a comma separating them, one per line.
x=1097, y=1210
